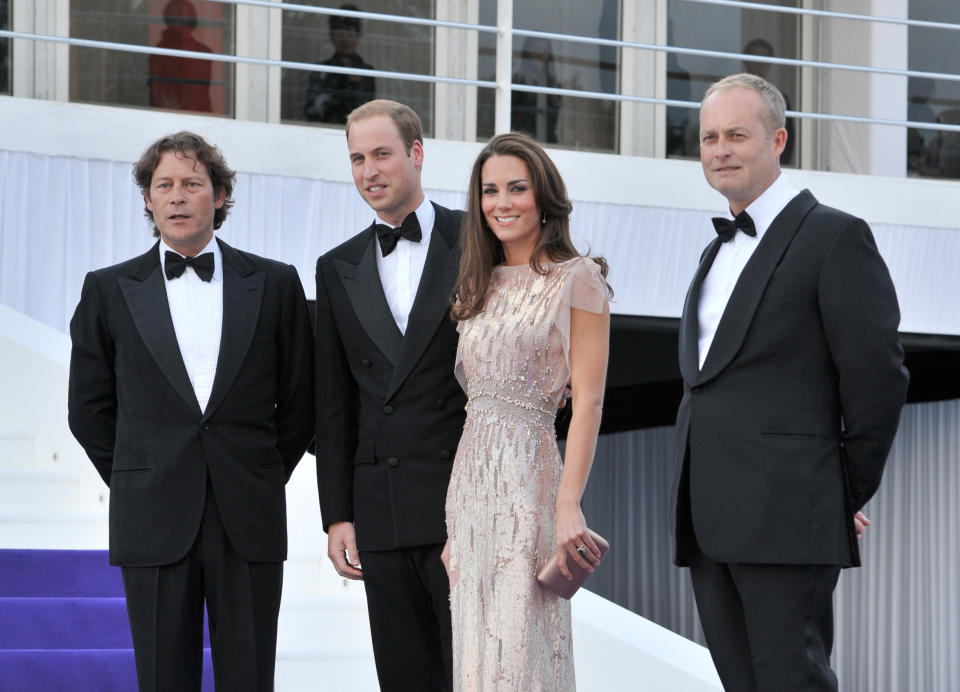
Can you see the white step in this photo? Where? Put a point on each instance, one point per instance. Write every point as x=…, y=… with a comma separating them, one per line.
x=54, y=530
x=16, y=448
x=27, y=487
x=326, y=622
x=303, y=576
x=309, y=574
x=343, y=669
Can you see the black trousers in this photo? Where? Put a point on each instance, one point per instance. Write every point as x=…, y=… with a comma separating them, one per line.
x=165, y=605
x=408, y=600
x=769, y=628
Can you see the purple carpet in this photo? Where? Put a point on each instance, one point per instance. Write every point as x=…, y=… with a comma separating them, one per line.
x=63, y=624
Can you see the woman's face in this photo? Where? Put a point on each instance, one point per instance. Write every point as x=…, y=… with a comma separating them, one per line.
x=509, y=206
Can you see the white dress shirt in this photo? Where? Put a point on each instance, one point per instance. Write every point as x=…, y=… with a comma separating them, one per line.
x=400, y=271
x=733, y=256
x=196, y=308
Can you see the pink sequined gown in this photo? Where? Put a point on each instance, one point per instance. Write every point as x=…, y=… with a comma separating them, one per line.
x=508, y=632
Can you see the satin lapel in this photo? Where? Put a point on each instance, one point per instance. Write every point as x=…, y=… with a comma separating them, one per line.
x=430, y=307
x=242, y=298
x=362, y=283
x=690, y=320
x=749, y=289
x=146, y=298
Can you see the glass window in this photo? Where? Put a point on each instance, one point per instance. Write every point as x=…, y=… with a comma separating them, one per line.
x=132, y=79
x=929, y=152
x=5, y=86
x=339, y=40
x=732, y=30
x=580, y=123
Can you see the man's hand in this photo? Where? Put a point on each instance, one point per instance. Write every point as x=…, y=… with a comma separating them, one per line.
x=861, y=522
x=342, y=550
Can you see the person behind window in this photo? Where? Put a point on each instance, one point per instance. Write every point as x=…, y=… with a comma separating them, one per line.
x=536, y=114
x=763, y=47
x=4, y=50
x=922, y=145
x=678, y=119
x=681, y=141
x=4, y=62
x=180, y=83
x=331, y=97
x=947, y=145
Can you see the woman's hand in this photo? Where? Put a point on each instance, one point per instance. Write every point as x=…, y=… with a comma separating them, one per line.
x=445, y=557
x=573, y=540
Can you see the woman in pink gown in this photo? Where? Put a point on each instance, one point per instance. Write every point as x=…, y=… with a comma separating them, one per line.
x=533, y=316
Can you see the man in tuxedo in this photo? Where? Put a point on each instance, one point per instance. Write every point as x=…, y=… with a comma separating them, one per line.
x=389, y=410
x=793, y=384
x=191, y=390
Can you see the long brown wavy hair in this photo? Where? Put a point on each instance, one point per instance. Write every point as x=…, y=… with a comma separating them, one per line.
x=481, y=251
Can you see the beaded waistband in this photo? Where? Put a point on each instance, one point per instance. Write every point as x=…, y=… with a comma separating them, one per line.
x=535, y=409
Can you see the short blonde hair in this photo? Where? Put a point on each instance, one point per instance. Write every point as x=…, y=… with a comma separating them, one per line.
x=774, y=105
x=403, y=116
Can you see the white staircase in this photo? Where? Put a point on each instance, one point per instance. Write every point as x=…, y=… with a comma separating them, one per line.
x=51, y=497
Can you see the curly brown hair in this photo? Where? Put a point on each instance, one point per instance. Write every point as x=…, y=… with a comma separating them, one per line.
x=191, y=146
x=481, y=251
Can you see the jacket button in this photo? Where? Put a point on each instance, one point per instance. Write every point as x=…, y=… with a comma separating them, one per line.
x=441, y=403
x=366, y=363
x=697, y=389
x=392, y=462
x=444, y=453
x=205, y=426
x=388, y=409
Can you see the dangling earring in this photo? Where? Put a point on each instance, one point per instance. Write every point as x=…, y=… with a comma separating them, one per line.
x=543, y=218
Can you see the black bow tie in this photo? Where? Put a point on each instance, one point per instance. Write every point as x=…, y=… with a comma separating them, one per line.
x=388, y=237
x=726, y=228
x=174, y=265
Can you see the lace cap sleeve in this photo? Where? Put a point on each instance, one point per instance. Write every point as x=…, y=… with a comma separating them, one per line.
x=584, y=288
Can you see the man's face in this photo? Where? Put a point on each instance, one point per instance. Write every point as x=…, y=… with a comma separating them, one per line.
x=183, y=202
x=758, y=68
x=740, y=158
x=387, y=177
x=345, y=40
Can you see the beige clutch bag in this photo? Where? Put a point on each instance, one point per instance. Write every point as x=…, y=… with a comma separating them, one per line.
x=551, y=578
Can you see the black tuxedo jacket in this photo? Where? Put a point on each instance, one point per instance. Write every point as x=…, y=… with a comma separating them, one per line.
x=389, y=410
x=134, y=411
x=785, y=431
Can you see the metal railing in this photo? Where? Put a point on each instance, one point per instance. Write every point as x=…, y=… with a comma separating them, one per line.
x=505, y=32
x=828, y=14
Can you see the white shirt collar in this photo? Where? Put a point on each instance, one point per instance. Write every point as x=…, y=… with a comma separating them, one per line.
x=765, y=208
x=213, y=246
